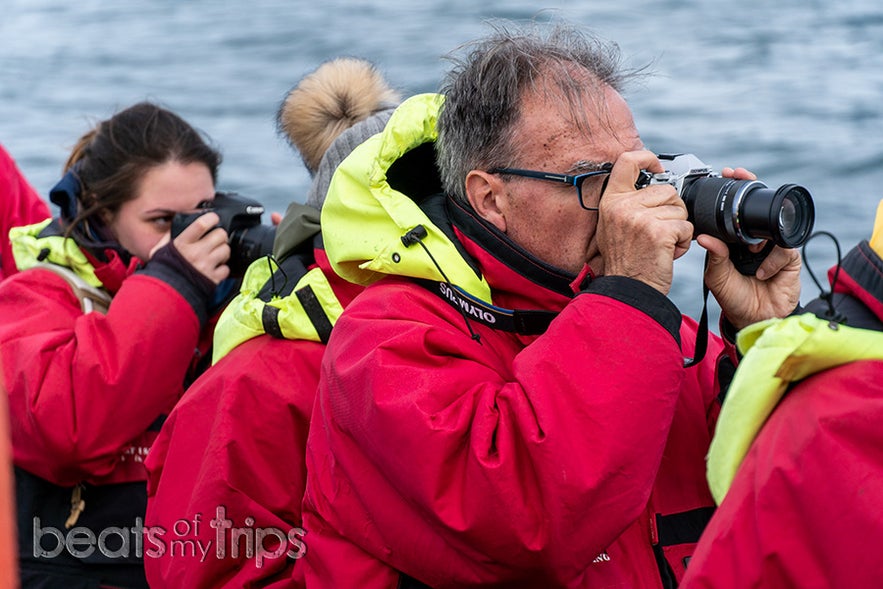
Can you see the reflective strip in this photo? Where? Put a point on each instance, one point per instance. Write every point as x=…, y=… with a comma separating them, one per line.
x=313, y=308
x=270, y=321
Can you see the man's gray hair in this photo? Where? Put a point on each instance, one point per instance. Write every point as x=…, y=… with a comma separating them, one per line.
x=484, y=90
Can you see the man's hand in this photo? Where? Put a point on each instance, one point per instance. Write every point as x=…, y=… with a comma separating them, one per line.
x=641, y=232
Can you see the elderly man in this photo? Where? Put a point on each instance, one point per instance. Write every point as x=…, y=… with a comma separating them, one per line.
x=507, y=403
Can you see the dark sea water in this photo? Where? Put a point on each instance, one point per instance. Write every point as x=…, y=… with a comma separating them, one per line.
x=792, y=90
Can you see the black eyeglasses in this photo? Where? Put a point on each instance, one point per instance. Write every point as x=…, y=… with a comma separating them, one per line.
x=576, y=180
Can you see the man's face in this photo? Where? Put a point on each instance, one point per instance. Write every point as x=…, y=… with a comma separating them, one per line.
x=546, y=218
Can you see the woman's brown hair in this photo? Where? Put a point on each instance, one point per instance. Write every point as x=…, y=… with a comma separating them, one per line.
x=110, y=160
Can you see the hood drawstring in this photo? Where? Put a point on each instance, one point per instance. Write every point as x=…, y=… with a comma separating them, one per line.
x=417, y=235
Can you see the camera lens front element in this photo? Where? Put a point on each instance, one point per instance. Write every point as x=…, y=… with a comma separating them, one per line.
x=796, y=215
x=785, y=216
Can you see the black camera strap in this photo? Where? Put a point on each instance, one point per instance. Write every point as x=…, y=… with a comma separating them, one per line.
x=702, y=332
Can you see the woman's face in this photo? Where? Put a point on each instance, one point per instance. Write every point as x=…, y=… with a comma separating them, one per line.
x=164, y=190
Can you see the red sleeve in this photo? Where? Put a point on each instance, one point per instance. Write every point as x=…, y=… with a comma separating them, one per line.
x=19, y=205
x=82, y=386
x=468, y=461
x=234, y=443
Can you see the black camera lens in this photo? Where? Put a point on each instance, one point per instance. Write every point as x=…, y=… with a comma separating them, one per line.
x=247, y=244
x=748, y=212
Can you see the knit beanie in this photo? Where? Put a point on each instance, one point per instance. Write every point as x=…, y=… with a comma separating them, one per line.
x=345, y=143
x=324, y=117
x=330, y=100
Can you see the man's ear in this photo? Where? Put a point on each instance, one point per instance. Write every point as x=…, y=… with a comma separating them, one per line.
x=488, y=197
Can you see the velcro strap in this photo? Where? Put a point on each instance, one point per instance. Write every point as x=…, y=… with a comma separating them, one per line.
x=270, y=321
x=315, y=312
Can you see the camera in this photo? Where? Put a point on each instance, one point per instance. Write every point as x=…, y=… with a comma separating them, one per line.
x=241, y=218
x=738, y=212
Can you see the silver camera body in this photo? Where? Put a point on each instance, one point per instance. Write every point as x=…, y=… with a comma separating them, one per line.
x=679, y=169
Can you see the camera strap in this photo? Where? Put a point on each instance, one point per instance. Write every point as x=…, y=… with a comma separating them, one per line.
x=702, y=332
x=90, y=297
x=520, y=321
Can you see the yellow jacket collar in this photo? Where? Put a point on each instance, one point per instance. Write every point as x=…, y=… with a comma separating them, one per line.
x=29, y=249
x=364, y=218
x=245, y=317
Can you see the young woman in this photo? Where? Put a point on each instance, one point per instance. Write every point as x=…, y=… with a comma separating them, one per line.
x=97, y=338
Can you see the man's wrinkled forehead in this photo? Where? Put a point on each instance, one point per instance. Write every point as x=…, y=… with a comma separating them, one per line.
x=586, y=107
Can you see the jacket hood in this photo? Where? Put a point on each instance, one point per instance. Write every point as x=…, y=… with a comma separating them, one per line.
x=297, y=228
x=372, y=204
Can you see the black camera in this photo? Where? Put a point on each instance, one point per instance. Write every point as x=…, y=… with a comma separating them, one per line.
x=241, y=218
x=738, y=212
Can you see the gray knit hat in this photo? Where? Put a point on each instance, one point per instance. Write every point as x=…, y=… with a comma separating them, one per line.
x=345, y=143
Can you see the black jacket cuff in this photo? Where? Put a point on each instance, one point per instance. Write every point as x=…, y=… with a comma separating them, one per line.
x=641, y=296
x=168, y=265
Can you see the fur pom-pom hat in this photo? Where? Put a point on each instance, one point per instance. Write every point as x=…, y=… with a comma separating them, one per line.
x=330, y=100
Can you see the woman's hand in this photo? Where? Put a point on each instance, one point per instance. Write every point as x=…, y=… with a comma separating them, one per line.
x=204, y=246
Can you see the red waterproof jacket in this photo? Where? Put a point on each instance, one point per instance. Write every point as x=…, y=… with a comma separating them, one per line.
x=804, y=507
x=227, y=472
x=447, y=452
x=63, y=369
x=86, y=391
x=19, y=205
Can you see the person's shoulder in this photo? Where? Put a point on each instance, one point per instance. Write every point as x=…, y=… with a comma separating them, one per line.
x=397, y=296
x=264, y=370
x=849, y=391
x=36, y=284
x=827, y=416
